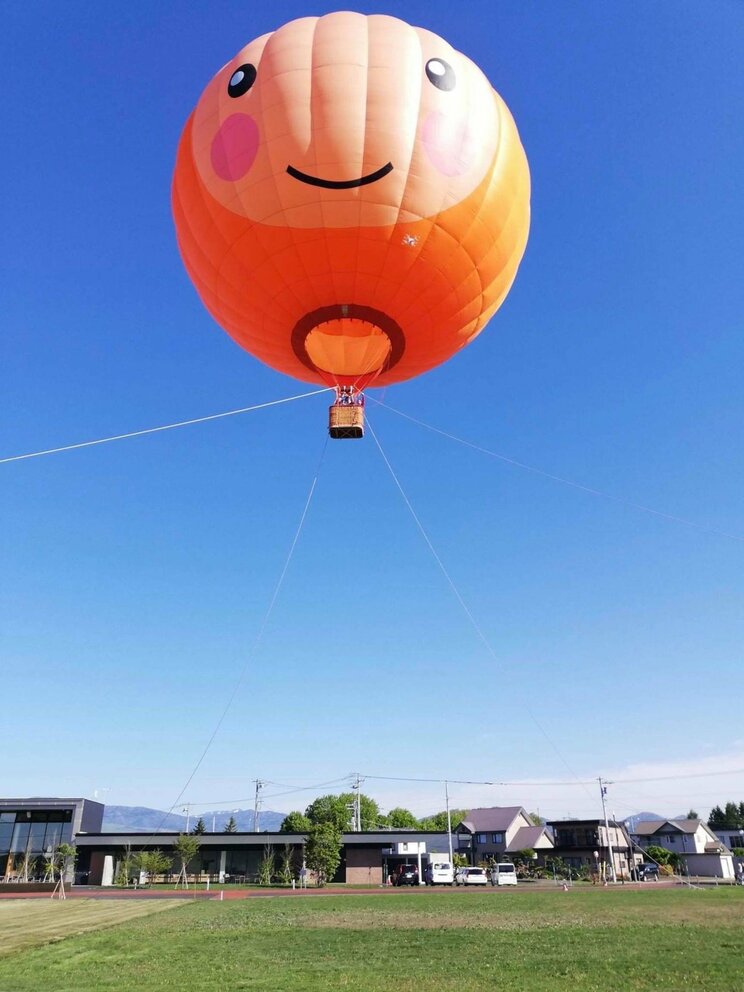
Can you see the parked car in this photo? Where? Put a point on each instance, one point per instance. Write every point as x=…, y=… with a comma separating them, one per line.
x=439, y=872
x=471, y=876
x=406, y=875
x=504, y=873
x=647, y=871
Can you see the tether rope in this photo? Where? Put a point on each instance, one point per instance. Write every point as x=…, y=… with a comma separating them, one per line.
x=163, y=427
x=557, y=478
x=256, y=641
x=464, y=605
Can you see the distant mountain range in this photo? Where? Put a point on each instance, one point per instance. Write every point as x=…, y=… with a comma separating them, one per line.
x=631, y=822
x=122, y=819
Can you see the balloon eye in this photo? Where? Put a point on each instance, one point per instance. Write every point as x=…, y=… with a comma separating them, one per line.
x=441, y=74
x=241, y=80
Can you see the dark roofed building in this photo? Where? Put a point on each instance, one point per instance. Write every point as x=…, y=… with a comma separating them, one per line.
x=497, y=833
x=581, y=843
x=31, y=828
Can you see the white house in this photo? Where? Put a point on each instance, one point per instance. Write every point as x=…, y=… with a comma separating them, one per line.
x=693, y=840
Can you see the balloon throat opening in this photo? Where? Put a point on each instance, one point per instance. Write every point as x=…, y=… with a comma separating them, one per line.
x=347, y=344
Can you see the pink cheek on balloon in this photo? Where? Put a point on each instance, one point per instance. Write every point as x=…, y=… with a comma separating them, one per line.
x=449, y=144
x=235, y=147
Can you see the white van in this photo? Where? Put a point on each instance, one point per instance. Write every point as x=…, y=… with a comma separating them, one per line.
x=439, y=871
x=504, y=874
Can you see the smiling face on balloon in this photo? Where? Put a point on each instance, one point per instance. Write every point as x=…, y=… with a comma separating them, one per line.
x=345, y=121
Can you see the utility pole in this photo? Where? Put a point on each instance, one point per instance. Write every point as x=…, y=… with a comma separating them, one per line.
x=603, y=796
x=449, y=823
x=187, y=810
x=257, y=805
x=356, y=817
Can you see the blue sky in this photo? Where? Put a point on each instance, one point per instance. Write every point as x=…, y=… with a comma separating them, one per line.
x=135, y=575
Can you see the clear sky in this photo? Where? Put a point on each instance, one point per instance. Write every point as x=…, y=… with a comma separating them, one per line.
x=135, y=575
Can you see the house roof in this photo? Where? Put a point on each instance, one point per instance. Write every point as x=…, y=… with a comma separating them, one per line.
x=498, y=818
x=648, y=827
x=527, y=837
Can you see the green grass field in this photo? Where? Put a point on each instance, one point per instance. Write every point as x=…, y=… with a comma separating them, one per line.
x=597, y=939
x=27, y=923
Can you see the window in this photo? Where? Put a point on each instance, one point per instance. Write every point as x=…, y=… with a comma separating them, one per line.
x=37, y=836
x=20, y=838
x=481, y=838
x=6, y=832
x=53, y=835
x=498, y=838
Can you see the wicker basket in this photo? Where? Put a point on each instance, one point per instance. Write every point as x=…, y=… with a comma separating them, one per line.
x=346, y=421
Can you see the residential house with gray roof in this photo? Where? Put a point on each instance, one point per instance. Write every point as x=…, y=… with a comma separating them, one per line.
x=497, y=833
x=700, y=851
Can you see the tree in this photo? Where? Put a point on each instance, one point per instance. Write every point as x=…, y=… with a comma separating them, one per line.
x=231, y=827
x=338, y=810
x=266, y=866
x=692, y=814
x=731, y=817
x=200, y=828
x=401, y=818
x=661, y=856
x=295, y=823
x=28, y=866
x=153, y=863
x=61, y=861
x=526, y=856
x=439, y=820
x=536, y=820
x=124, y=867
x=323, y=851
x=287, y=865
x=329, y=809
x=186, y=849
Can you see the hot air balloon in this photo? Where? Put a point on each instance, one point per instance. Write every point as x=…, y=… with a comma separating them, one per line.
x=351, y=202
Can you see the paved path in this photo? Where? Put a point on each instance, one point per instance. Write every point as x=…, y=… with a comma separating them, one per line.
x=92, y=892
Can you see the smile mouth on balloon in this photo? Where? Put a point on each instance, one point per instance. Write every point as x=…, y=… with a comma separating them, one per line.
x=340, y=183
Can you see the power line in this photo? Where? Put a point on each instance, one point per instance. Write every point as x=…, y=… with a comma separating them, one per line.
x=560, y=479
x=458, y=781
x=436, y=781
x=164, y=427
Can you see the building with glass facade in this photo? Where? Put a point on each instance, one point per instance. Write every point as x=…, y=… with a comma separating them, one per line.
x=31, y=828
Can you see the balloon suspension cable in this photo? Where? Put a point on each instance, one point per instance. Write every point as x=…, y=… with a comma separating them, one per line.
x=466, y=609
x=589, y=490
x=163, y=427
x=256, y=641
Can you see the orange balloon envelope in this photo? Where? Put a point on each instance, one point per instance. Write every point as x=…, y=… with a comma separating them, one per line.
x=351, y=199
